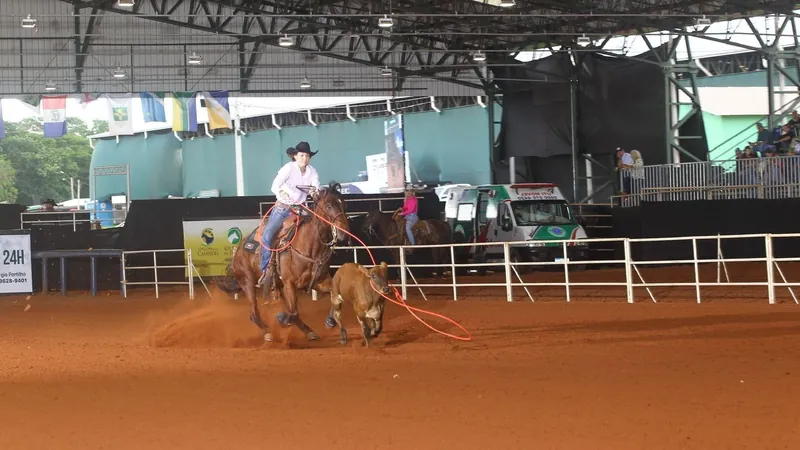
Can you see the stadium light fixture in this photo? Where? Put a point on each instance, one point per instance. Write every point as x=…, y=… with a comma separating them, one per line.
x=119, y=73
x=50, y=86
x=385, y=22
x=507, y=3
x=28, y=22
x=386, y=71
x=703, y=21
x=479, y=56
x=583, y=41
x=285, y=41
x=195, y=59
x=305, y=84
x=126, y=3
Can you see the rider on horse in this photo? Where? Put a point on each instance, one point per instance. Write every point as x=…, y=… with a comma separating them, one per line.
x=297, y=172
x=409, y=212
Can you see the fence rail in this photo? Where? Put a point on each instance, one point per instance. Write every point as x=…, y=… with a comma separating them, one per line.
x=633, y=276
x=633, y=265
x=752, y=178
x=188, y=268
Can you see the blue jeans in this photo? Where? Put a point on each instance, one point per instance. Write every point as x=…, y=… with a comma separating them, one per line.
x=274, y=224
x=411, y=220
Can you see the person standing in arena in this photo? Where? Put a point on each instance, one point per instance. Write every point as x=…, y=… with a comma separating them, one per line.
x=297, y=172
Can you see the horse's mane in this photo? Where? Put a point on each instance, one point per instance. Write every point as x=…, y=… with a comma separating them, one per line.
x=333, y=188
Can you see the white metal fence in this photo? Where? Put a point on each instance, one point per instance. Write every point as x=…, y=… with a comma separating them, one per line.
x=632, y=267
x=514, y=282
x=751, y=178
x=188, y=268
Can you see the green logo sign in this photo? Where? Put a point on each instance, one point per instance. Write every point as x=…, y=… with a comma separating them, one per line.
x=120, y=113
x=234, y=235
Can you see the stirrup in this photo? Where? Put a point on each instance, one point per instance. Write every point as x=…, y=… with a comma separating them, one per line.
x=263, y=278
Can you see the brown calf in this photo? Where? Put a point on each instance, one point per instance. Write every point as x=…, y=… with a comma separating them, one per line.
x=354, y=283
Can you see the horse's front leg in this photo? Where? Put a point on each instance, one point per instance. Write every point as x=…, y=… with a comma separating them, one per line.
x=292, y=316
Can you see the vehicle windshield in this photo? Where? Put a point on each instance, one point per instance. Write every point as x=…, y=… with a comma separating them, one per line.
x=541, y=212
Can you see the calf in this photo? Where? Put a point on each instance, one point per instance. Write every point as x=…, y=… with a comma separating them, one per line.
x=354, y=283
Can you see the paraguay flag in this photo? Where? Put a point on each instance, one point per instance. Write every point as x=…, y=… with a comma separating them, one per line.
x=153, y=106
x=54, y=112
x=184, y=111
x=219, y=111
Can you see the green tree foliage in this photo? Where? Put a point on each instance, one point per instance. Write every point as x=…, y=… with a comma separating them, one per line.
x=44, y=165
x=8, y=178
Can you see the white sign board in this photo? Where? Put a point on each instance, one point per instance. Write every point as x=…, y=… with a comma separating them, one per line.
x=16, y=276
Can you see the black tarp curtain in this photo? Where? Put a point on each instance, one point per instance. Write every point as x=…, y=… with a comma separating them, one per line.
x=619, y=102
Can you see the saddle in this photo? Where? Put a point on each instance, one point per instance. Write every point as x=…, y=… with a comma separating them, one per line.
x=253, y=241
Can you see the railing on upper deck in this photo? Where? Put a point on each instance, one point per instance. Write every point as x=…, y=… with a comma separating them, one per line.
x=754, y=178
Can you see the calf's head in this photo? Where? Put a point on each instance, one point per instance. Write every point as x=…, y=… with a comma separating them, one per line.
x=377, y=276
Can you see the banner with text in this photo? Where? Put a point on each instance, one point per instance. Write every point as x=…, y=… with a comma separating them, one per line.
x=213, y=241
x=16, y=276
x=395, y=149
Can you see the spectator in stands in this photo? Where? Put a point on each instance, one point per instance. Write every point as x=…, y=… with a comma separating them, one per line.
x=624, y=166
x=764, y=139
x=637, y=171
x=794, y=122
x=49, y=205
x=787, y=134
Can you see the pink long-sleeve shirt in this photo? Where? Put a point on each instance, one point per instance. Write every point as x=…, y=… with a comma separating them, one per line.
x=409, y=206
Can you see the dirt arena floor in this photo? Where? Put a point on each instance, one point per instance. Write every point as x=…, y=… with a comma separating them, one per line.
x=79, y=372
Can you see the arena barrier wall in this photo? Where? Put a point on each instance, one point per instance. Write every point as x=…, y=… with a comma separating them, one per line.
x=707, y=218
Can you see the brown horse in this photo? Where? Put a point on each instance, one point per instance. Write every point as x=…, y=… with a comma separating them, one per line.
x=391, y=230
x=302, y=261
x=381, y=226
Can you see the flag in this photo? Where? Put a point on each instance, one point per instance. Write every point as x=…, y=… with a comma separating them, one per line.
x=54, y=112
x=2, y=123
x=184, y=111
x=153, y=106
x=120, y=114
x=32, y=102
x=219, y=112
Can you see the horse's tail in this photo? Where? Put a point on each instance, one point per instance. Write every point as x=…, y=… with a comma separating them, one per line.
x=228, y=282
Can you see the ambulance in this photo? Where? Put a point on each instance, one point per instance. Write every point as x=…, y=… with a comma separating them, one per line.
x=534, y=216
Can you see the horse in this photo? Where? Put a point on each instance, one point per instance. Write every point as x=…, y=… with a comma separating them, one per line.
x=381, y=226
x=390, y=229
x=301, y=260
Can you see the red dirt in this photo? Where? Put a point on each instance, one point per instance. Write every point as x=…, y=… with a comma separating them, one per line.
x=106, y=372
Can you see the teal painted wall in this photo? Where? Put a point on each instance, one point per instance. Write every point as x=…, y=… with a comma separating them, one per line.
x=155, y=166
x=452, y=145
x=209, y=164
x=727, y=133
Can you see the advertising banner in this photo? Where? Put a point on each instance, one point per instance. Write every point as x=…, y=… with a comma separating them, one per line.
x=213, y=241
x=395, y=152
x=16, y=276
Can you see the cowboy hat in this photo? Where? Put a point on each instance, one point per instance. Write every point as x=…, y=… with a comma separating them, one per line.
x=301, y=147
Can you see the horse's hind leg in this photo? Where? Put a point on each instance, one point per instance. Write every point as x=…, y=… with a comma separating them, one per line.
x=255, y=314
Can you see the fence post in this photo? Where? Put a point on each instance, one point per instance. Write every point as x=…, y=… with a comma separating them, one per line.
x=155, y=271
x=190, y=268
x=124, y=281
x=566, y=269
x=770, y=269
x=626, y=245
x=453, y=272
x=507, y=265
x=403, y=287
x=696, y=269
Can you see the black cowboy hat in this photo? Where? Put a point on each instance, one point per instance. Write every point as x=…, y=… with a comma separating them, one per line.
x=301, y=147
